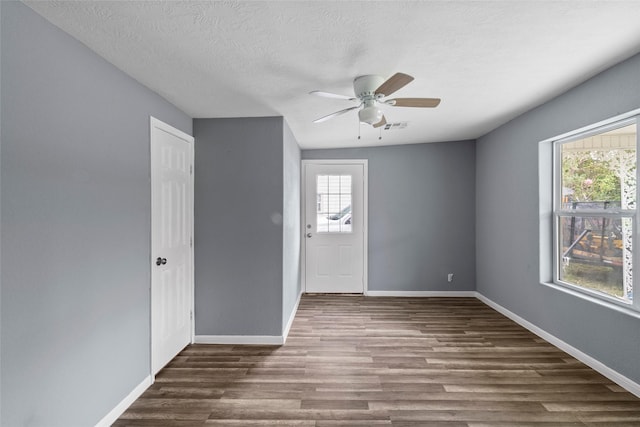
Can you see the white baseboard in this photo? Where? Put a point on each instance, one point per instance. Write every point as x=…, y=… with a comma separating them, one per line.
x=287, y=328
x=422, y=294
x=113, y=415
x=596, y=365
x=240, y=339
x=252, y=339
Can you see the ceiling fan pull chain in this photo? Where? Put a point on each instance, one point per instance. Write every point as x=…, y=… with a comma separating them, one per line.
x=380, y=136
x=359, y=127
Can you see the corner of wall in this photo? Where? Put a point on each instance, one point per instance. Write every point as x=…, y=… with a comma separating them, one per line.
x=291, y=242
x=1, y=3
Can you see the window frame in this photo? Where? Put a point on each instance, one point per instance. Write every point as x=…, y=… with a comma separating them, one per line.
x=557, y=212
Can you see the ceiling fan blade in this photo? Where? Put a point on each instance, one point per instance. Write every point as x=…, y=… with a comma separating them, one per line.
x=332, y=95
x=332, y=115
x=380, y=123
x=394, y=83
x=414, y=102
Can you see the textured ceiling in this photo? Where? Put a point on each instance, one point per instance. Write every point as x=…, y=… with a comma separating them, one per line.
x=489, y=61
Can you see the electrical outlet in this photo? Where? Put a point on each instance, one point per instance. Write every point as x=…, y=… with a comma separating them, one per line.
x=450, y=277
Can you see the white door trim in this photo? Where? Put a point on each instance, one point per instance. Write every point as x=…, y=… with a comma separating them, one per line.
x=365, y=201
x=158, y=124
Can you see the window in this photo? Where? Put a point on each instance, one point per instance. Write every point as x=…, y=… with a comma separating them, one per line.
x=334, y=203
x=595, y=212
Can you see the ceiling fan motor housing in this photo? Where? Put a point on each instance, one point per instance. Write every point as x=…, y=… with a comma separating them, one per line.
x=365, y=87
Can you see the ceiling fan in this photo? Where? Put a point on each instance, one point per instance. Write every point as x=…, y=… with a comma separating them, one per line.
x=369, y=92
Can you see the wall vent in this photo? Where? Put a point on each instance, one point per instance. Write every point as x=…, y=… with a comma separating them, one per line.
x=395, y=126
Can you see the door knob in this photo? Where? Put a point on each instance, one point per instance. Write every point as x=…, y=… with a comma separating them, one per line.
x=308, y=234
x=161, y=261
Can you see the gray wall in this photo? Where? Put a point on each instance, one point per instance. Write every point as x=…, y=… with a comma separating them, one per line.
x=421, y=214
x=75, y=221
x=0, y=214
x=291, y=225
x=238, y=226
x=509, y=214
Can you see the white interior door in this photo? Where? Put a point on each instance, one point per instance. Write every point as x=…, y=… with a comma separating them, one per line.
x=171, y=242
x=335, y=226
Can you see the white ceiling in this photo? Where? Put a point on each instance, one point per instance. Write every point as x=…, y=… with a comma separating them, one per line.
x=489, y=61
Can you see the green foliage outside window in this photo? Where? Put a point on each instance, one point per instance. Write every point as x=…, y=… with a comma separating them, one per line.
x=586, y=178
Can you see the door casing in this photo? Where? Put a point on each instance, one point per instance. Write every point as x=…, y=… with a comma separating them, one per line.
x=365, y=202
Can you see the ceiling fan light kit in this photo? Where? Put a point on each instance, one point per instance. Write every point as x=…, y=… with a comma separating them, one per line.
x=369, y=91
x=370, y=114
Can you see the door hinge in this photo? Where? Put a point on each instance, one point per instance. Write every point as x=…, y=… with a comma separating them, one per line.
x=191, y=315
x=190, y=169
x=190, y=242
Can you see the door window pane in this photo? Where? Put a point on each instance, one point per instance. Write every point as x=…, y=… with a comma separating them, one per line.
x=333, y=193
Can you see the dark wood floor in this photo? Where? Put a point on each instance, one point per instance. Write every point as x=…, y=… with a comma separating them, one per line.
x=358, y=361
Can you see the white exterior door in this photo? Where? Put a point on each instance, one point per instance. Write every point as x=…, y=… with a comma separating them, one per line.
x=171, y=242
x=335, y=226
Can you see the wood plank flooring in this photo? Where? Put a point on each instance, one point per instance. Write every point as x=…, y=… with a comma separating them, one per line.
x=365, y=361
